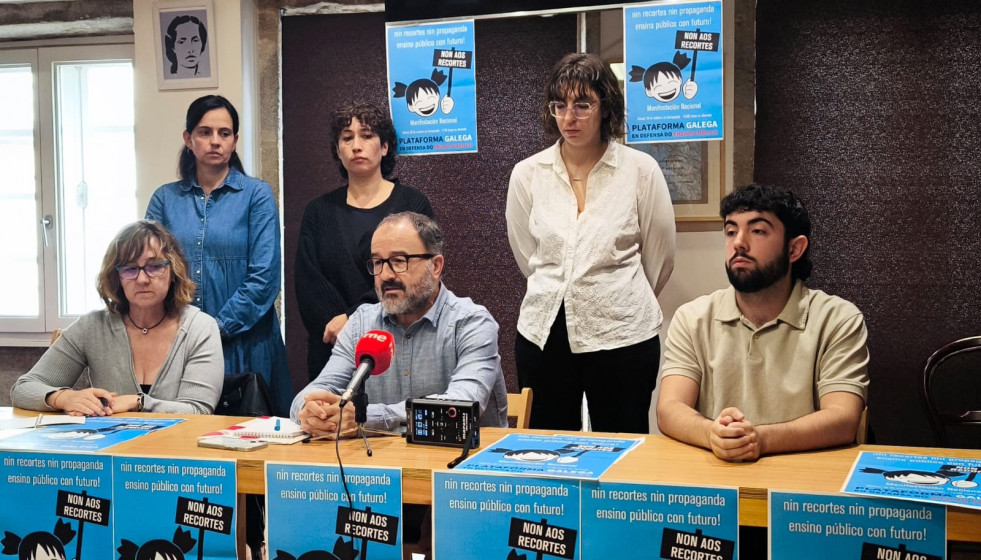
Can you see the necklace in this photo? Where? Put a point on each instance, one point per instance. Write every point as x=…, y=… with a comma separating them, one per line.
x=146, y=330
x=576, y=174
x=573, y=175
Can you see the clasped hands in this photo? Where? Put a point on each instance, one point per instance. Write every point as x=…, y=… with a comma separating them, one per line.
x=321, y=412
x=733, y=438
x=91, y=402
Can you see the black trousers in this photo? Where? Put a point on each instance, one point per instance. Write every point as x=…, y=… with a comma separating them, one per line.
x=618, y=383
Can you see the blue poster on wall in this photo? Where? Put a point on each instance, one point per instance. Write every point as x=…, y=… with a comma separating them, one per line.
x=680, y=522
x=820, y=526
x=56, y=505
x=922, y=478
x=365, y=527
x=673, y=60
x=174, y=508
x=495, y=517
x=432, y=87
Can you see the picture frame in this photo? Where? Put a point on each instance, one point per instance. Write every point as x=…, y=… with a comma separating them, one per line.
x=694, y=174
x=184, y=43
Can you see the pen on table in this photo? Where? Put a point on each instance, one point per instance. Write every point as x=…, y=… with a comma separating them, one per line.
x=37, y=422
x=277, y=425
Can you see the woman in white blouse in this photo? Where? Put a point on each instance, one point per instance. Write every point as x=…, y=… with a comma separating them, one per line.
x=591, y=226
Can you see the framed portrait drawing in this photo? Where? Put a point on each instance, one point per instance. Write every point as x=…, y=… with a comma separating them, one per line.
x=184, y=43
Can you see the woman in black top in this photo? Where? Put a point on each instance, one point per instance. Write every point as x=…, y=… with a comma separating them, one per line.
x=335, y=237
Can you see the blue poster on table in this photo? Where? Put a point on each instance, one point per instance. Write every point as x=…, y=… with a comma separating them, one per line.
x=432, y=87
x=680, y=522
x=366, y=527
x=565, y=456
x=96, y=434
x=495, y=517
x=174, y=508
x=673, y=62
x=56, y=505
x=820, y=526
x=921, y=478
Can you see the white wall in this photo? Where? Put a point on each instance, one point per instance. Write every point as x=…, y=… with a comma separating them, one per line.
x=698, y=270
x=160, y=114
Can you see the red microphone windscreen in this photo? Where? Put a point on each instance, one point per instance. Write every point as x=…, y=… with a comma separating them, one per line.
x=379, y=346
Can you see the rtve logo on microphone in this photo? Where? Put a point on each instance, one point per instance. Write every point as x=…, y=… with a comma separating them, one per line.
x=380, y=336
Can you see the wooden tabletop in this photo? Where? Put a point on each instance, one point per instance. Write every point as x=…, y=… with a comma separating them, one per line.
x=659, y=459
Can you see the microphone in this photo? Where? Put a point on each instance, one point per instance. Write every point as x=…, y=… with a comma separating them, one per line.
x=373, y=355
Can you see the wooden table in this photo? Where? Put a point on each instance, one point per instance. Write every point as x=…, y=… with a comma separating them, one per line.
x=659, y=459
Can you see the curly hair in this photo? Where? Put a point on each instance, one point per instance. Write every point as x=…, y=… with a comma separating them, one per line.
x=782, y=203
x=576, y=75
x=369, y=116
x=126, y=248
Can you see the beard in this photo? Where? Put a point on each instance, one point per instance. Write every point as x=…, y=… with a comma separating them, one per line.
x=415, y=297
x=752, y=281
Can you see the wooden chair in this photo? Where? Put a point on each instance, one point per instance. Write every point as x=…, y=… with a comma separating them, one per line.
x=956, y=366
x=55, y=334
x=519, y=407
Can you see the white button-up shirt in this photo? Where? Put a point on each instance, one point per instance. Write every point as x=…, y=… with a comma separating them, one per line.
x=606, y=264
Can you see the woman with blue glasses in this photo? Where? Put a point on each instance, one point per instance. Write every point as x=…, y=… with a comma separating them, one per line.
x=147, y=351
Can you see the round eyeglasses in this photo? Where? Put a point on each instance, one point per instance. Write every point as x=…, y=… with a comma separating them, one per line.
x=580, y=110
x=398, y=263
x=153, y=270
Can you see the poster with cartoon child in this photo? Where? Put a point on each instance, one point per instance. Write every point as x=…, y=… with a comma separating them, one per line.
x=96, y=434
x=57, y=506
x=358, y=517
x=673, y=61
x=499, y=517
x=178, y=509
x=921, y=478
x=431, y=86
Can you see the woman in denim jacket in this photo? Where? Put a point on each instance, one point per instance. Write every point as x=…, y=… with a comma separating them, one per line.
x=228, y=225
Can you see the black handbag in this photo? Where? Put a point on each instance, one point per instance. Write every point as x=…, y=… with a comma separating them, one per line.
x=244, y=394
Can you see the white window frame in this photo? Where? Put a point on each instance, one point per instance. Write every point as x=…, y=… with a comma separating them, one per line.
x=36, y=331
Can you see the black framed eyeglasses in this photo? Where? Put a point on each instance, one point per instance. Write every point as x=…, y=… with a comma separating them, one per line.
x=153, y=270
x=580, y=110
x=398, y=263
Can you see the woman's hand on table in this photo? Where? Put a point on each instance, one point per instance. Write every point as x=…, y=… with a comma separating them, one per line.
x=87, y=402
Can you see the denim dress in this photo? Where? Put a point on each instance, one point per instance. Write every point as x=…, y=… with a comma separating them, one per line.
x=231, y=242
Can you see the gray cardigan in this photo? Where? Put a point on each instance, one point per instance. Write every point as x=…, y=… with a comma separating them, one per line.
x=189, y=382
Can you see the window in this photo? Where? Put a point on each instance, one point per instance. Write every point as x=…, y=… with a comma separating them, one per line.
x=67, y=151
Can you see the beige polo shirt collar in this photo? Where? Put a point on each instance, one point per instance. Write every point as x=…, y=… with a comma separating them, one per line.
x=794, y=312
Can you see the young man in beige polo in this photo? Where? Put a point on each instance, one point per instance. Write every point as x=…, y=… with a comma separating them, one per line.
x=766, y=365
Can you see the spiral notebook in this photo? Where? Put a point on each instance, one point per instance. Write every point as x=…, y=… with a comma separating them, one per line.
x=272, y=429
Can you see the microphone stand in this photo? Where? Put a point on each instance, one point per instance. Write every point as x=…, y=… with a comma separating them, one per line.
x=360, y=401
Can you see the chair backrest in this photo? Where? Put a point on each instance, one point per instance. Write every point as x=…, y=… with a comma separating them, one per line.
x=519, y=407
x=940, y=369
x=244, y=394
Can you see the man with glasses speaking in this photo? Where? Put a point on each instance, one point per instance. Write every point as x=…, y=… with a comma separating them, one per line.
x=445, y=345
